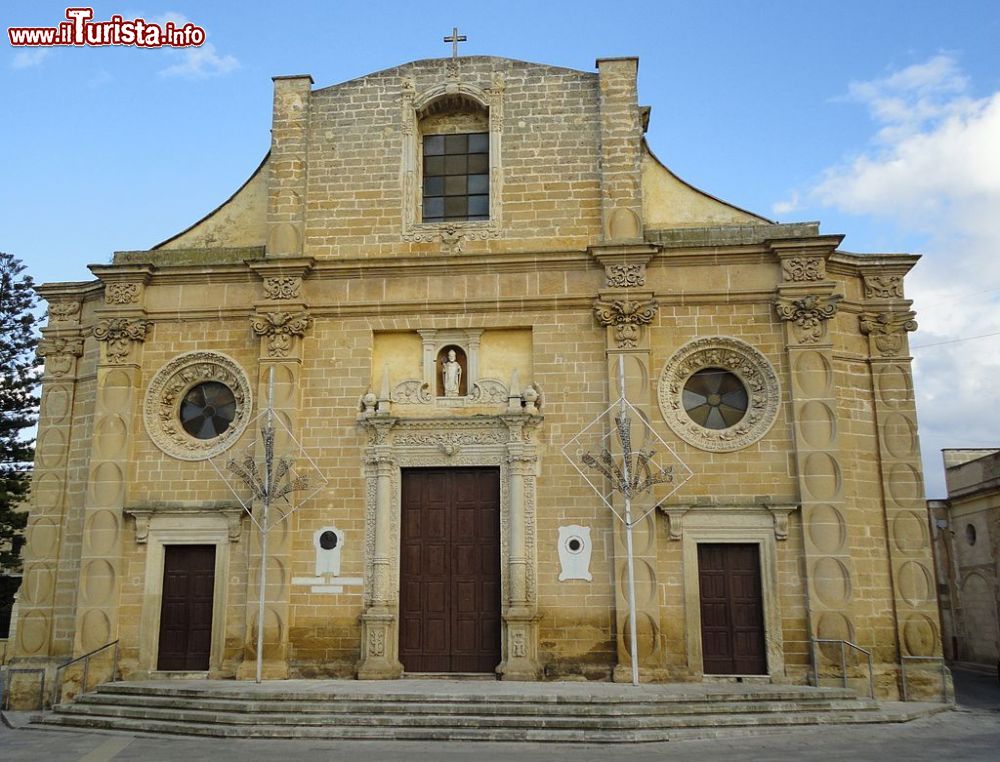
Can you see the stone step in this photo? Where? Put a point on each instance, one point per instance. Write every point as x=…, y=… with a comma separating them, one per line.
x=461, y=719
x=567, y=708
x=233, y=691
x=710, y=726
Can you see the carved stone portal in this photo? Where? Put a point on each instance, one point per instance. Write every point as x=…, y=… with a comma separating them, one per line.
x=504, y=441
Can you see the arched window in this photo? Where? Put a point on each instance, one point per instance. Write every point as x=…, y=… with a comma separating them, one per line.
x=451, y=162
x=454, y=160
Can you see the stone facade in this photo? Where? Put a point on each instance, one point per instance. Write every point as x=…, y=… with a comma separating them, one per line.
x=966, y=536
x=593, y=257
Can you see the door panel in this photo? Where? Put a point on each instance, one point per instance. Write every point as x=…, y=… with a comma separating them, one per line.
x=732, y=610
x=450, y=570
x=186, y=609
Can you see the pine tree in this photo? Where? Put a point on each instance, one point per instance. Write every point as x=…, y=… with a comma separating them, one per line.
x=18, y=402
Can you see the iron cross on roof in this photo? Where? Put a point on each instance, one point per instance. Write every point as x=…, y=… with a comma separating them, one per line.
x=454, y=39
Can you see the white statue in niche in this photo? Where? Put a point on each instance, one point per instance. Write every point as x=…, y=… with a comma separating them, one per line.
x=451, y=374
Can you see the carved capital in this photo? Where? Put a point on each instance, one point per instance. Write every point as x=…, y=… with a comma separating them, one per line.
x=279, y=328
x=887, y=330
x=883, y=286
x=799, y=269
x=118, y=336
x=120, y=292
x=63, y=311
x=59, y=353
x=627, y=317
x=282, y=287
x=625, y=275
x=808, y=315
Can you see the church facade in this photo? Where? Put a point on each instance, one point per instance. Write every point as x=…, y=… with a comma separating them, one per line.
x=440, y=278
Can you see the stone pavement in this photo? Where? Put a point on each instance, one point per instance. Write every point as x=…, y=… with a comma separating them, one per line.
x=968, y=733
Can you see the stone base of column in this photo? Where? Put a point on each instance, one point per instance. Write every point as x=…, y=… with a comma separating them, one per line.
x=271, y=669
x=26, y=692
x=623, y=674
x=379, y=659
x=521, y=647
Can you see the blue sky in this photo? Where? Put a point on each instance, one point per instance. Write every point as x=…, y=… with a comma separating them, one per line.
x=881, y=119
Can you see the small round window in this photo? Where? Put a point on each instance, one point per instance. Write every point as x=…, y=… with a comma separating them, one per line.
x=715, y=398
x=208, y=410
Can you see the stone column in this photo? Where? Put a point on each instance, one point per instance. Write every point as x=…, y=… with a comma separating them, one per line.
x=621, y=149
x=886, y=321
x=379, y=622
x=37, y=640
x=120, y=335
x=280, y=328
x=520, y=609
x=286, y=194
x=626, y=315
x=807, y=305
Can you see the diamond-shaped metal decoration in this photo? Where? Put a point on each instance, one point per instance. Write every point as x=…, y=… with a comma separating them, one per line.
x=619, y=452
x=274, y=467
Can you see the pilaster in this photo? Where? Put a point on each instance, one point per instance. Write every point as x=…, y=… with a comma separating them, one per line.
x=280, y=329
x=627, y=315
x=886, y=322
x=120, y=330
x=621, y=149
x=806, y=304
x=36, y=641
x=286, y=197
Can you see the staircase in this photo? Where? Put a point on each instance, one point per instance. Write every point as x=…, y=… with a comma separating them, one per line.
x=469, y=711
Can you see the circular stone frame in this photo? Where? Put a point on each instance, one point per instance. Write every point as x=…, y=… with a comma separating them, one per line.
x=161, y=410
x=740, y=359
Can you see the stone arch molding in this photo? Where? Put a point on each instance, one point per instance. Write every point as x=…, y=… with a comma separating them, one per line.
x=741, y=359
x=414, y=106
x=168, y=387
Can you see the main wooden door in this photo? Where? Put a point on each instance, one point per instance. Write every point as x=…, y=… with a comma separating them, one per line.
x=732, y=612
x=186, y=611
x=449, y=603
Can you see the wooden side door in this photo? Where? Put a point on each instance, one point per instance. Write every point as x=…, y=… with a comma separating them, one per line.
x=732, y=609
x=186, y=609
x=450, y=570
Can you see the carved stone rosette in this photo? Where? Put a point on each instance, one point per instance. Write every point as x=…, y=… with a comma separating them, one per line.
x=626, y=316
x=809, y=315
x=280, y=328
x=161, y=410
x=887, y=330
x=742, y=360
x=802, y=269
x=118, y=335
x=60, y=352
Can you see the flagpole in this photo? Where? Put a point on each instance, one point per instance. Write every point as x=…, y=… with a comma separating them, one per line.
x=268, y=459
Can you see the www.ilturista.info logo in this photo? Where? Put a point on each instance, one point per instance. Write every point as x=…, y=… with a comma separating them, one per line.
x=79, y=29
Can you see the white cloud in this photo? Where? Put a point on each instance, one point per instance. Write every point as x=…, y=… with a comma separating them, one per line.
x=201, y=62
x=787, y=206
x=26, y=59
x=194, y=63
x=933, y=168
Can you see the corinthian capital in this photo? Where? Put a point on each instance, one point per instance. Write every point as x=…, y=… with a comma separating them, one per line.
x=887, y=329
x=279, y=328
x=626, y=316
x=59, y=353
x=119, y=334
x=808, y=315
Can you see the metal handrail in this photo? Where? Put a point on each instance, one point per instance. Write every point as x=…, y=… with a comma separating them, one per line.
x=944, y=674
x=85, y=658
x=843, y=662
x=5, y=685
